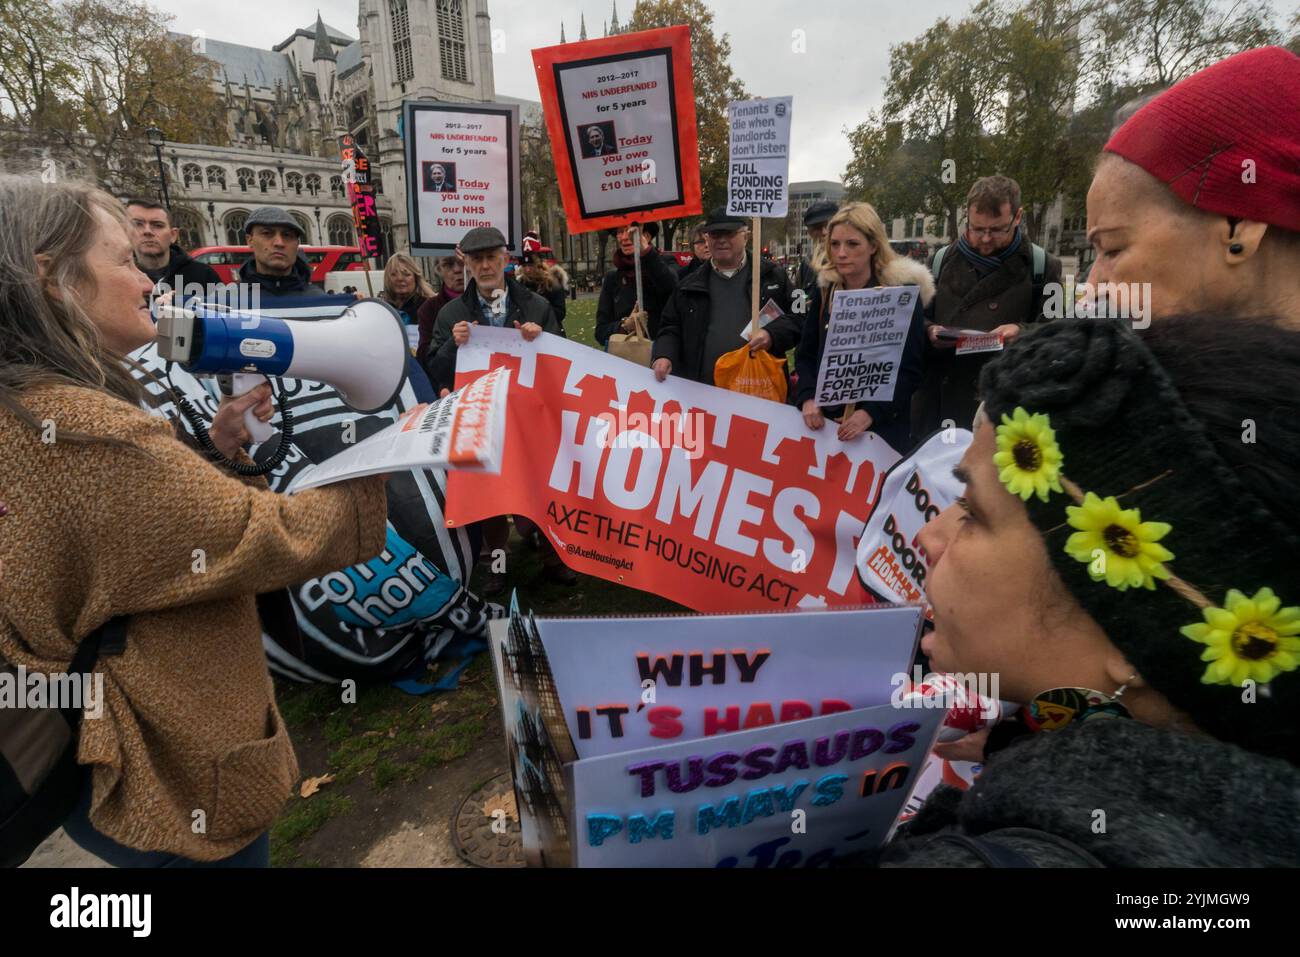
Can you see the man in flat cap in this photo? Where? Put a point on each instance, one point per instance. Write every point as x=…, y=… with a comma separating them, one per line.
x=491, y=298
x=274, y=236
x=815, y=218
x=704, y=318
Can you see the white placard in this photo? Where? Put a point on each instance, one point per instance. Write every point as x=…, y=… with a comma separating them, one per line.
x=731, y=801
x=621, y=138
x=464, y=430
x=758, y=174
x=628, y=683
x=865, y=339
x=916, y=490
x=462, y=170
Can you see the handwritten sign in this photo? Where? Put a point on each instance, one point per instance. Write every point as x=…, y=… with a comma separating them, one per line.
x=801, y=794
x=630, y=683
x=758, y=175
x=865, y=338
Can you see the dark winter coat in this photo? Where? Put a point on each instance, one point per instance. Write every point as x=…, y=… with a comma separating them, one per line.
x=183, y=270
x=684, y=325
x=890, y=420
x=618, y=295
x=427, y=315
x=1125, y=793
x=964, y=300
x=524, y=306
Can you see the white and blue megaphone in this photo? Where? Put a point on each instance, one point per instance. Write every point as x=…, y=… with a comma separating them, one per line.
x=362, y=353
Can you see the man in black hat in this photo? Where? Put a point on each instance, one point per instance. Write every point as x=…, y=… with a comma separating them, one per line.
x=704, y=318
x=275, y=266
x=815, y=218
x=491, y=298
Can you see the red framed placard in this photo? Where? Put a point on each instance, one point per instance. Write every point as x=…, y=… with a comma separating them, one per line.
x=620, y=112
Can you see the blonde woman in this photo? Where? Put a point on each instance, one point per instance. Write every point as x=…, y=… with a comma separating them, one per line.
x=857, y=255
x=405, y=287
x=109, y=515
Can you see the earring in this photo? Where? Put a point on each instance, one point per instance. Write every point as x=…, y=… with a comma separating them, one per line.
x=1119, y=692
x=1236, y=249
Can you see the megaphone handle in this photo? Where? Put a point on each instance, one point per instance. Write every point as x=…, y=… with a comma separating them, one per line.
x=241, y=383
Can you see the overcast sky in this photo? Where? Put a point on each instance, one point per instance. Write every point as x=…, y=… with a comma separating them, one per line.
x=834, y=84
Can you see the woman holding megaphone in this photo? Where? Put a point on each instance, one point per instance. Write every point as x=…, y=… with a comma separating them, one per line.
x=112, y=521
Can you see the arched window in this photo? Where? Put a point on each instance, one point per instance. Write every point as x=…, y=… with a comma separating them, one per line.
x=216, y=177
x=245, y=178
x=193, y=175
x=451, y=40
x=336, y=186
x=339, y=230
x=303, y=224
x=294, y=182
x=266, y=179
x=189, y=225
x=234, y=223
x=401, y=28
x=313, y=183
x=386, y=236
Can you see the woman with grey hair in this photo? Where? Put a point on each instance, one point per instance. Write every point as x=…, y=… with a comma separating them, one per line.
x=112, y=519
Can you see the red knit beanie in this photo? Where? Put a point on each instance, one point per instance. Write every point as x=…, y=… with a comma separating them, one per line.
x=1197, y=136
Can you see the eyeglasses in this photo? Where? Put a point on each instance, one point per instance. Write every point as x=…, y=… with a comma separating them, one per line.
x=991, y=231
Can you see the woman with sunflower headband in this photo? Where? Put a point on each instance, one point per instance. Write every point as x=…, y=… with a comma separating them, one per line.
x=1124, y=558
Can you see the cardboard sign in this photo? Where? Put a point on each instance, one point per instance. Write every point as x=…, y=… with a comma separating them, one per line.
x=890, y=562
x=462, y=171
x=865, y=337
x=361, y=195
x=732, y=801
x=464, y=430
x=714, y=499
x=631, y=683
x=758, y=174
x=621, y=116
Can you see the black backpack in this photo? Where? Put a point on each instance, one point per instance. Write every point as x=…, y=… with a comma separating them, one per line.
x=40, y=779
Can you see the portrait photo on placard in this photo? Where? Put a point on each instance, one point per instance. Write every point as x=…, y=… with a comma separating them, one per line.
x=598, y=139
x=440, y=177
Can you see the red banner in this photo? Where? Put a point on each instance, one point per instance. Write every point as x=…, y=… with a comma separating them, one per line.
x=716, y=500
x=621, y=116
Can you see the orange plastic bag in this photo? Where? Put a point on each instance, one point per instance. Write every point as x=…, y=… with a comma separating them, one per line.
x=760, y=374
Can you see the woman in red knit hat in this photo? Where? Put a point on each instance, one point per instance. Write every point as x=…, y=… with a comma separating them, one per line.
x=1198, y=194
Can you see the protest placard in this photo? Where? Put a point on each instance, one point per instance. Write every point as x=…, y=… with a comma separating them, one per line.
x=462, y=171
x=758, y=174
x=800, y=794
x=463, y=430
x=628, y=683
x=714, y=499
x=620, y=112
x=890, y=562
x=865, y=337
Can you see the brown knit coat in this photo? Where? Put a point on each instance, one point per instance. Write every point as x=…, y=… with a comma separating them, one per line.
x=189, y=721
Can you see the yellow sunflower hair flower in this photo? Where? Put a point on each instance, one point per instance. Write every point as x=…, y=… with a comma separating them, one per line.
x=1116, y=545
x=1252, y=638
x=1028, y=458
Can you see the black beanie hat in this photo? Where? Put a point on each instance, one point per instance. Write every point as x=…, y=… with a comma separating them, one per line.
x=1090, y=427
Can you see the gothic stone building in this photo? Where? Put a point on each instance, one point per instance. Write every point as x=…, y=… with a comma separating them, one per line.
x=286, y=107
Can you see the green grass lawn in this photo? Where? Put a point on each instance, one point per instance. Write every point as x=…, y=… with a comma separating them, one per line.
x=580, y=321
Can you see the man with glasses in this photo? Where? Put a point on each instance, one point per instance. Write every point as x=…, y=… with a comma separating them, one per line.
x=992, y=280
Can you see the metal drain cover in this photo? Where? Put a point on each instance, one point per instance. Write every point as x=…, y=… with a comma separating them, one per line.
x=492, y=803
